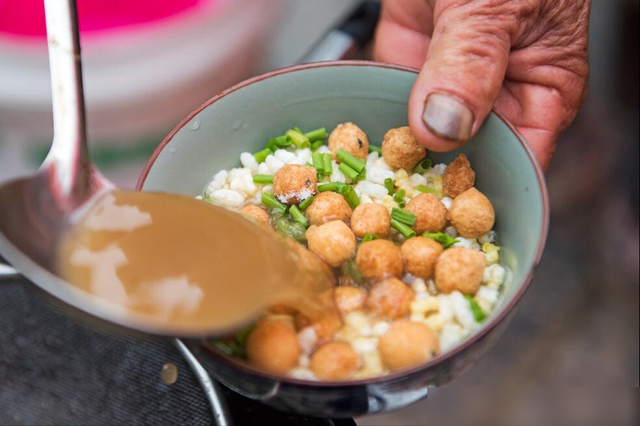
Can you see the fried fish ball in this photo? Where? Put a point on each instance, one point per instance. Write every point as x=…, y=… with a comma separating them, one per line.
x=458, y=177
x=407, y=344
x=420, y=255
x=256, y=213
x=472, y=214
x=273, y=346
x=328, y=206
x=333, y=241
x=351, y=138
x=401, y=150
x=371, y=218
x=379, y=259
x=460, y=269
x=390, y=297
x=349, y=299
x=431, y=214
x=334, y=361
x=293, y=183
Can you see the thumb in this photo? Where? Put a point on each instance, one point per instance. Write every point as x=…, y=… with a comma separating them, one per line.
x=463, y=72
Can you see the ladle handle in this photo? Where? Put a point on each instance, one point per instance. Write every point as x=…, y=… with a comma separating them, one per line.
x=68, y=154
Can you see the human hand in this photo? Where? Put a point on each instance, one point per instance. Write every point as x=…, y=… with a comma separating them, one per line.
x=528, y=57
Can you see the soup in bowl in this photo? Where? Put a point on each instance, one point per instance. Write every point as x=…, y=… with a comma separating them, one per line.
x=430, y=251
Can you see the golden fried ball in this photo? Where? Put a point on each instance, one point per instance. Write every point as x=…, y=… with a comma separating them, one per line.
x=458, y=177
x=420, y=255
x=379, y=259
x=390, y=297
x=401, y=150
x=273, y=346
x=472, y=214
x=327, y=326
x=407, y=344
x=431, y=214
x=351, y=138
x=460, y=269
x=256, y=213
x=314, y=263
x=334, y=361
x=333, y=241
x=294, y=183
x=349, y=299
x=371, y=218
x=328, y=206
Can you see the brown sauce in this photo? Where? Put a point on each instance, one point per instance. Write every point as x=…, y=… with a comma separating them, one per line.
x=179, y=265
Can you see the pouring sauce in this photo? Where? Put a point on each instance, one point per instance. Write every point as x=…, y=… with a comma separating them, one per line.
x=182, y=266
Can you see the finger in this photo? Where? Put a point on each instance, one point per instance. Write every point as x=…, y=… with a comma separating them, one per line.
x=463, y=73
x=403, y=33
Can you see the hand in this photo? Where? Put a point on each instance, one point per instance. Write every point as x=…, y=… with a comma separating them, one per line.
x=528, y=57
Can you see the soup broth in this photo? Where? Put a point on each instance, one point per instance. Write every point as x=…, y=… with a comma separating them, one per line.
x=180, y=265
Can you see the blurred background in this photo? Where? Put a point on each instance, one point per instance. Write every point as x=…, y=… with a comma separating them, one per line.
x=148, y=63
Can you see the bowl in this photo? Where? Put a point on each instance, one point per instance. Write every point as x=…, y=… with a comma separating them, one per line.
x=374, y=96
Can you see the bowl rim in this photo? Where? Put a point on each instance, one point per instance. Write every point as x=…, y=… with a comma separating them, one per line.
x=439, y=359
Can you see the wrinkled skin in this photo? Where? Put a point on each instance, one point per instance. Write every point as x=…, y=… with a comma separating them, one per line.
x=528, y=57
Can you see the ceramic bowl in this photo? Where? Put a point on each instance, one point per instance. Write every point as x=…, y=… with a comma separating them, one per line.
x=374, y=96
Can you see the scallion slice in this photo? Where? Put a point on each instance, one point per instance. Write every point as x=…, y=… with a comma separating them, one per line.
x=444, y=239
x=355, y=163
x=403, y=216
x=406, y=231
x=423, y=166
x=263, y=179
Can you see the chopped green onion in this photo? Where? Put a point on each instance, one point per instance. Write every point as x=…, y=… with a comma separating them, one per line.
x=426, y=189
x=388, y=183
x=351, y=161
x=317, y=134
x=444, y=239
x=316, y=145
x=399, y=198
x=349, y=172
x=343, y=189
x=279, y=142
x=305, y=203
x=297, y=215
x=298, y=139
x=229, y=348
x=332, y=186
x=263, y=179
x=328, y=167
x=403, y=216
x=242, y=336
x=478, y=313
x=377, y=149
x=290, y=228
x=349, y=268
x=318, y=162
x=403, y=229
x=272, y=202
x=351, y=196
x=260, y=156
x=369, y=237
x=297, y=129
x=423, y=166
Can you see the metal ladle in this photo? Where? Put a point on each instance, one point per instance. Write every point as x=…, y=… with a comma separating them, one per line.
x=37, y=209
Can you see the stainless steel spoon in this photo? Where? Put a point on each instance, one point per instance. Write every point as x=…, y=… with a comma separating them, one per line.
x=36, y=210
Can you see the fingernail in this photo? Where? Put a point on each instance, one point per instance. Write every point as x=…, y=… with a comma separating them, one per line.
x=448, y=117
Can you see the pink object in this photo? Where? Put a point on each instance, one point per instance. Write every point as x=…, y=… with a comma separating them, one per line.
x=25, y=18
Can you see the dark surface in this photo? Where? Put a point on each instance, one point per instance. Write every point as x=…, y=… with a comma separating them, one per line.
x=55, y=370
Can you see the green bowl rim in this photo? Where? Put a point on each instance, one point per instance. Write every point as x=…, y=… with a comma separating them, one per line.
x=464, y=345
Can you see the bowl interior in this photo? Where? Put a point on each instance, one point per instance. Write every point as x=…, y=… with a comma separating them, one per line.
x=375, y=98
